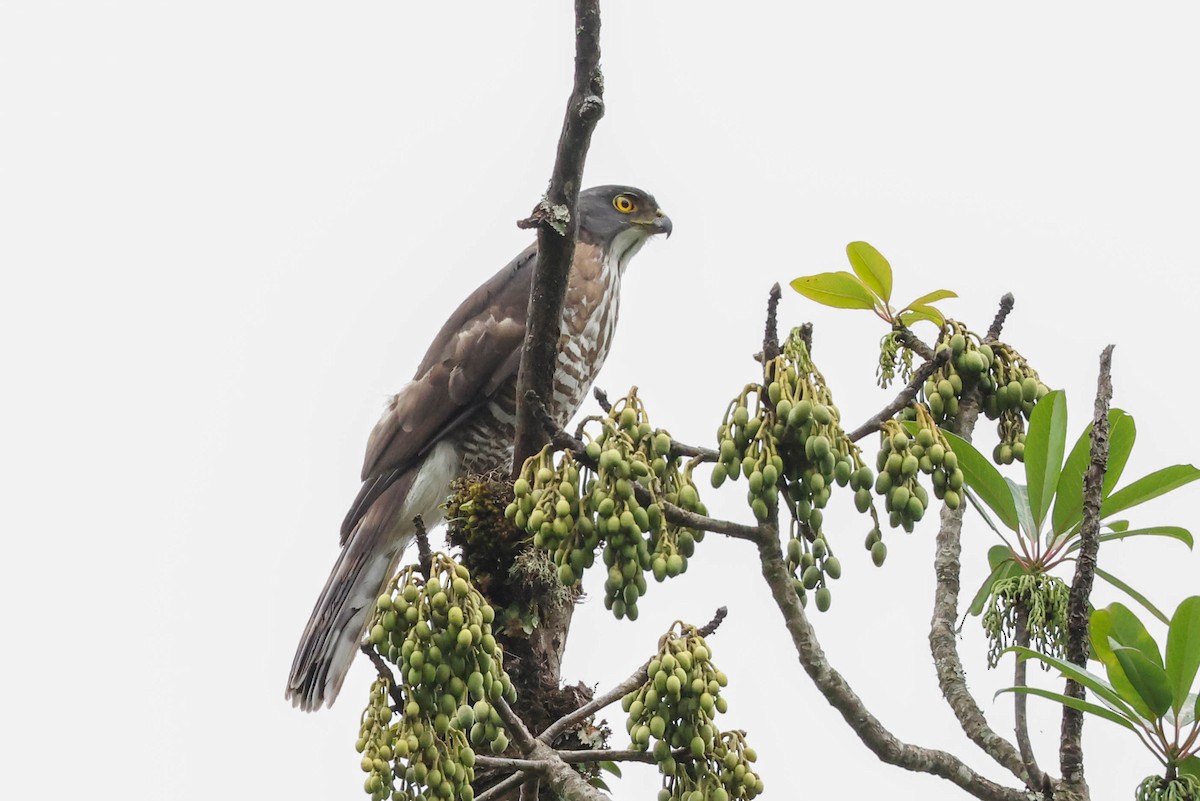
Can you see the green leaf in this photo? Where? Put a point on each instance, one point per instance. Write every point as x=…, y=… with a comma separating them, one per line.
x=1091, y=681
x=1068, y=496
x=1174, y=532
x=1074, y=703
x=926, y=313
x=1068, y=501
x=1190, y=766
x=611, y=767
x=1121, y=433
x=1045, y=444
x=1148, y=679
x=985, y=480
x=932, y=297
x=1132, y=659
x=841, y=290
x=1132, y=593
x=1020, y=496
x=596, y=781
x=1003, y=565
x=1130, y=632
x=874, y=270
x=1183, y=650
x=1157, y=483
x=1187, y=715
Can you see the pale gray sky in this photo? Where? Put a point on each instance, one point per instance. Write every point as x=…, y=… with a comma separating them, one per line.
x=229, y=229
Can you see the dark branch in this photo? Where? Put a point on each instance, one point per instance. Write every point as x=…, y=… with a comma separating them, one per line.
x=635, y=680
x=710, y=628
x=682, y=517
x=1070, y=752
x=565, y=723
x=514, y=724
x=510, y=763
x=556, y=220
x=694, y=452
x=1006, y=306
x=602, y=398
x=771, y=334
x=920, y=375
x=914, y=343
x=424, y=554
x=501, y=789
x=384, y=672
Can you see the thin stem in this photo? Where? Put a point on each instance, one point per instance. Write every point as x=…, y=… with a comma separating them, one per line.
x=839, y=694
x=1020, y=700
x=903, y=399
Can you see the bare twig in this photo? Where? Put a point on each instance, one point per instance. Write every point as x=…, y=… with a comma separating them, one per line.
x=635, y=680
x=920, y=375
x=1006, y=305
x=599, y=755
x=683, y=517
x=424, y=554
x=567, y=722
x=510, y=763
x=771, y=334
x=694, y=452
x=557, y=224
x=914, y=343
x=602, y=398
x=710, y=628
x=385, y=673
x=1070, y=752
x=838, y=692
x=514, y=724
x=501, y=788
x=1020, y=701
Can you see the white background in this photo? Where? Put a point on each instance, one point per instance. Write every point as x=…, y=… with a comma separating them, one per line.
x=229, y=229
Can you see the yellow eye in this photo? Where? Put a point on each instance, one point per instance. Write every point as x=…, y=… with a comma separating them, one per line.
x=623, y=204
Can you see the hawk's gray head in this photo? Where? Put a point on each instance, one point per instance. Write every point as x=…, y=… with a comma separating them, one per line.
x=619, y=219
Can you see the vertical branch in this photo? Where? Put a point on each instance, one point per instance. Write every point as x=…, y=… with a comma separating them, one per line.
x=943, y=642
x=771, y=330
x=1070, y=752
x=556, y=222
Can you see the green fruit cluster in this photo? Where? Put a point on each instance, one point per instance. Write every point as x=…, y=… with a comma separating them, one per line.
x=970, y=364
x=903, y=457
x=815, y=566
x=627, y=472
x=1008, y=386
x=792, y=439
x=675, y=709
x=437, y=631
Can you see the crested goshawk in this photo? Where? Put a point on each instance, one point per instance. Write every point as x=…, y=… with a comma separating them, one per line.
x=458, y=416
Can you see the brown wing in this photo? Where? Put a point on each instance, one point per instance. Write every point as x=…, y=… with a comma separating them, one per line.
x=476, y=350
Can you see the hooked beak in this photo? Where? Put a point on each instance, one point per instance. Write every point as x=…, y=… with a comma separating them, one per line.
x=662, y=223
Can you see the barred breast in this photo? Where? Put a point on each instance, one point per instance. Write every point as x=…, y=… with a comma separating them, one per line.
x=589, y=319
